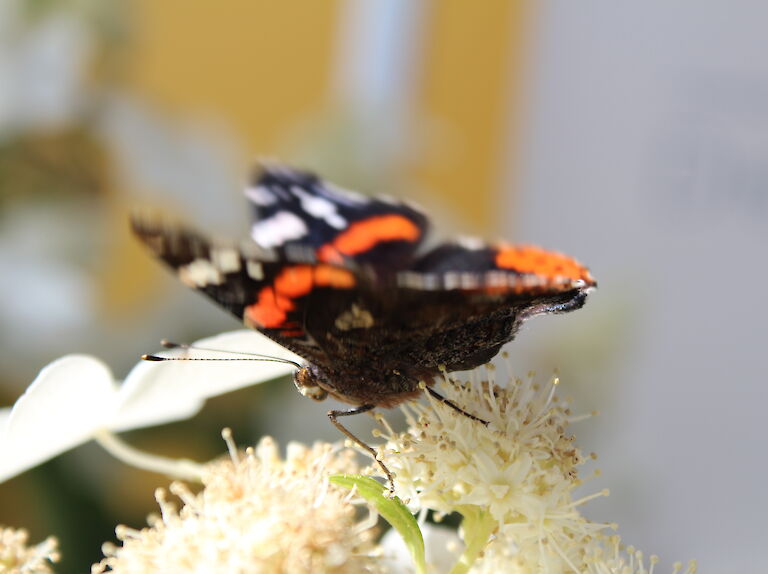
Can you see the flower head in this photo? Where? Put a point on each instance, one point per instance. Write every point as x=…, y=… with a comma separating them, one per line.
x=513, y=477
x=521, y=466
x=256, y=513
x=17, y=557
x=609, y=556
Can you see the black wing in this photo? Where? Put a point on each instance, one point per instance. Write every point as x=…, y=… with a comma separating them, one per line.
x=267, y=293
x=456, y=307
x=297, y=213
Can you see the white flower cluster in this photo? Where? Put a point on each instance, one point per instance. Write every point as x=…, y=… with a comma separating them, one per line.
x=512, y=480
x=256, y=513
x=16, y=557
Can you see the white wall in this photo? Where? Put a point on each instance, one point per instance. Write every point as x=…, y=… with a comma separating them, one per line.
x=646, y=155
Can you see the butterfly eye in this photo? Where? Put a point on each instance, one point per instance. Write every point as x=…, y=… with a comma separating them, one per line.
x=307, y=384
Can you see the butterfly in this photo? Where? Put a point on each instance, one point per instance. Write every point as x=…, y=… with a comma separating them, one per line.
x=353, y=285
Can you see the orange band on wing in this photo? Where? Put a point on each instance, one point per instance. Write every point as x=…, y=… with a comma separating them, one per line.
x=537, y=261
x=294, y=281
x=364, y=235
x=270, y=311
x=328, y=276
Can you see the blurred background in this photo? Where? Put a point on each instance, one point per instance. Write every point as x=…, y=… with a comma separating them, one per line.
x=631, y=135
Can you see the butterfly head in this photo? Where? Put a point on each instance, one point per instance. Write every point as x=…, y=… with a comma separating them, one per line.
x=308, y=382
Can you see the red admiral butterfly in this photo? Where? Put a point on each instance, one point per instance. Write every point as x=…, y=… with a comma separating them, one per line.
x=348, y=283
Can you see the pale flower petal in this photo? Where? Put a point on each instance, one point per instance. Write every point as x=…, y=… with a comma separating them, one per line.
x=68, y=401
x=159, y=392
x=75, y=396
x=441, y=544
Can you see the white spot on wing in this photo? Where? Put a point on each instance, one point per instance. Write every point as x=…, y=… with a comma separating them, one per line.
x=531, y=281
x=282, y=227
x=254, y=270
x=226, y=259
x=354, y=318
x=260, y=195
x=471, y=243
x=320, y=208
x=421, y=281
x=200, y=273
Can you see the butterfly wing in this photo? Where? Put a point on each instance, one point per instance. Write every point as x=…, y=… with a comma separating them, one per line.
x=525, y=279
x=314, y=247
x=254, y=284
x=336, y=278
x=300, y=215
x=497, y=269
x=456, y=307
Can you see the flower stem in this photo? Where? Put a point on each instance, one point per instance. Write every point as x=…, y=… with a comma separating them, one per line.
x=184, y=469
x=478, y=525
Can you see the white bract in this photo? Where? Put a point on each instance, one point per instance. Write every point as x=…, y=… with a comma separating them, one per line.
x=76, y=397
x=443, y=548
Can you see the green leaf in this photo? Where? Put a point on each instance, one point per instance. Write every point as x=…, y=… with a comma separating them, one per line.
x=392, y=510
x=478, y=526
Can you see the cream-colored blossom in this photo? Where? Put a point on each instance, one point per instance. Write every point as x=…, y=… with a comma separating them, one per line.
x=512, y=480
x=16, y=557
x=514, y=476
x=608, y=556
x=257, y=513
x=601, y=555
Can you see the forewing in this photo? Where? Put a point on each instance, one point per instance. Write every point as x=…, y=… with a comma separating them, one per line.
x=266, y=293
x=297, y=212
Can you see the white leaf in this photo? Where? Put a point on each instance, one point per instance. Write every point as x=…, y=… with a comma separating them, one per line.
x=159, y=392
x=5, y=414
x=75, y=396
x=69, y=400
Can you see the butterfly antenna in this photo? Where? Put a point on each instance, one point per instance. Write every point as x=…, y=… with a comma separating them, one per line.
x=250, y=356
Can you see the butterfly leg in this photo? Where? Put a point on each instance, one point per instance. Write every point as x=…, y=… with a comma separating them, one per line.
x=333, y=416
x=454, y=406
